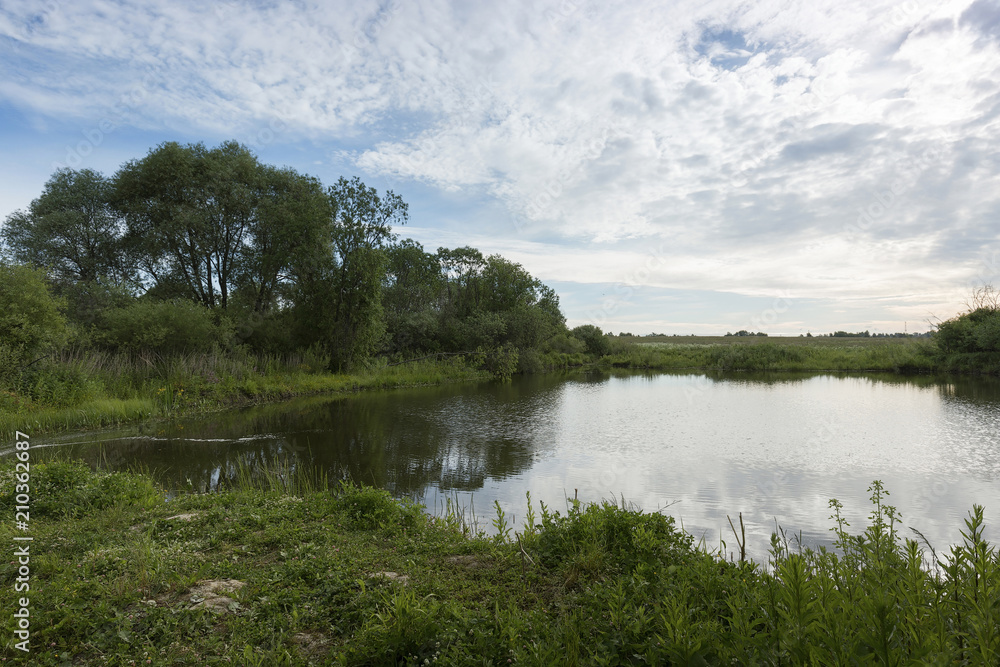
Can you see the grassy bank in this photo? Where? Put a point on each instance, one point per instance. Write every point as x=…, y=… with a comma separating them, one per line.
x=285, y=569
x=786, y=354
x=80, y=390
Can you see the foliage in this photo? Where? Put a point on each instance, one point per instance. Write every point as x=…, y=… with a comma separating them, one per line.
x=971, y=341
x=412, y=289
x=283, y=264
x=500, y=362
x=292, y=221
x=162, y=327
x=85, y=388
x=63, y=490
x=367, y=579
x=343, y=290
x=31, y=321
x=73, y=230
x=973, y=332
x=593, y=338
x=899, y=355
x=208, y=221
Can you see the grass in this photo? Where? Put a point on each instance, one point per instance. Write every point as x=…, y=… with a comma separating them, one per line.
x=785, y=354
x=89, y=389
x=340, y=574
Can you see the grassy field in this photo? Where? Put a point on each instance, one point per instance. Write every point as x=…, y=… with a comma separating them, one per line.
x=818, y=341
x=285, y=568
x=732, y=353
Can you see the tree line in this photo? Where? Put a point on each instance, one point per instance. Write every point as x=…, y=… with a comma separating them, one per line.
x=191, y=247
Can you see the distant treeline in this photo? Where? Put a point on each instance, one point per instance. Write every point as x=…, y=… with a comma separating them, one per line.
x=194, y=249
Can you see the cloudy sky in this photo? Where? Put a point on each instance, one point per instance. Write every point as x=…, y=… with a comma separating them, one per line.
x=677, y=167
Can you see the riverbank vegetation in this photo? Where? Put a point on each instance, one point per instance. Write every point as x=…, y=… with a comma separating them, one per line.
x=971, y=341
x=285, y=567
x=897, y=355
x=198, y=278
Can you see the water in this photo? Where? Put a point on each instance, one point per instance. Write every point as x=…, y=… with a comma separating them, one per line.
x=699, y=447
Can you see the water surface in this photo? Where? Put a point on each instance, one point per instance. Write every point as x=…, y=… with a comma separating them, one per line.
x=697, y=446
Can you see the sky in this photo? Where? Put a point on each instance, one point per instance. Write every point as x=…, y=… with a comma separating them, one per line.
x=669, y=167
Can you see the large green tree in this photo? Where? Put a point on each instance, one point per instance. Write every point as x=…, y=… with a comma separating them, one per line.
x=491, y=301
x=412, y=295
x=339, y=296
x=292, y=223
x=211, y=221
x=73, y=231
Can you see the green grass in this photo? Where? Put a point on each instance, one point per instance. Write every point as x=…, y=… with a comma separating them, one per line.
x=112, y=578
x=785, y=354
x=814, y=341
x=87, y=389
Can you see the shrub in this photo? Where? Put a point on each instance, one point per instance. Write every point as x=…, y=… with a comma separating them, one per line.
x=163, y=326
x=593, y=338
x=30, y=319
x=71, y=489
x=564, y=343
x=529, y=361
x=367, y=508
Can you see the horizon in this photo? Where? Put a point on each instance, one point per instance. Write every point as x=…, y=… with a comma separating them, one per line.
x=780, y=167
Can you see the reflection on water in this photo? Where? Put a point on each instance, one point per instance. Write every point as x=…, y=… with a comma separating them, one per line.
x=776, y=447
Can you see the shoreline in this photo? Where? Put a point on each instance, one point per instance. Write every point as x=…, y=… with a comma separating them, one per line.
x=182, y=394
x=290, y=568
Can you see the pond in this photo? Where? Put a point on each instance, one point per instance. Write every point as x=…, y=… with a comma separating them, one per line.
x=699, y=446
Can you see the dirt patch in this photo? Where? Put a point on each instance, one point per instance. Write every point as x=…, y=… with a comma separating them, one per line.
x=310, y=643
x=183, y=517
x=468, y=562
x=209, y=594
x=393, y=576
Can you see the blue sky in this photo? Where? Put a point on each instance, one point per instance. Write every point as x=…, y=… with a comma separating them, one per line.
x=684, y=167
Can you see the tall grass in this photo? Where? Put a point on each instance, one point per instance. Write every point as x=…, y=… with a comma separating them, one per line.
x=647, y=591
x=280, y=475
x=89, y=389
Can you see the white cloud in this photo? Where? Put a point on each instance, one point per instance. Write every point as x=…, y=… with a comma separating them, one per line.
x=743, y=139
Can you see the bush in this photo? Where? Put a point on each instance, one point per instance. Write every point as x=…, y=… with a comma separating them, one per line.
x=31, y=321
x=367, y=508
x=163, y=326
x=564, y=343
x=500, y=362
x=70, y=489
x=530, y=361
x=593, y=338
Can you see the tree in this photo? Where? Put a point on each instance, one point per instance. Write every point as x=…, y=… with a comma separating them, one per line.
x=192, y=210
x=340, y=289
x=292, y=222
x=413, y=280
x=411, y=295
x=73, y=231
x=593, y=338
x=462, y=268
